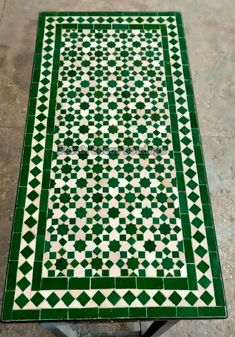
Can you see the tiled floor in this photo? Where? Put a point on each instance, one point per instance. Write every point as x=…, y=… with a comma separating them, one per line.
x=113, y=217
x=219, y=146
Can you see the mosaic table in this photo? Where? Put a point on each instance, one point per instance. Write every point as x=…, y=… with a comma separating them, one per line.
x=113, y=217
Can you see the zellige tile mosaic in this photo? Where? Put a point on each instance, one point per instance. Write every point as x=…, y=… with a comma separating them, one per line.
x=113, y=217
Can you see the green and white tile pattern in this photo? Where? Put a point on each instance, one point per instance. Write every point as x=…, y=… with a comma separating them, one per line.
x=112, y=235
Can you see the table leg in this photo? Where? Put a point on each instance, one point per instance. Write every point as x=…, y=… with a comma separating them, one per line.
x=157, y=328
x=60, y=329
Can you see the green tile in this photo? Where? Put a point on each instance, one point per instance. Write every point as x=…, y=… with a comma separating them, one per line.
x=212, y=312
x=11, y=280
x=174, y=283
x=14, y=251
x=126, y=283
x=36, y=281
x=21, y=314
x=113, y=313
x=8, y=304
x=187, y=312
x=219, y=295
x=189, y=251
x=83, y=313
x=54, y=314
x=79, y=283
x=149, y=283
x=164, y=312
x=47, y=283
x=138, y=312
x=102, y=283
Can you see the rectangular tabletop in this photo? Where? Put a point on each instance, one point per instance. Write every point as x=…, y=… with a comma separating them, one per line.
x=113, y=217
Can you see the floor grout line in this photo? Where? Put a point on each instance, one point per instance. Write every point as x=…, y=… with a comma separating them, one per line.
x=3, y=8
x=219, y=136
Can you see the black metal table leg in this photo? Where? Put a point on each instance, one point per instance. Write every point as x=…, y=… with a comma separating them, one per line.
x=157, y=328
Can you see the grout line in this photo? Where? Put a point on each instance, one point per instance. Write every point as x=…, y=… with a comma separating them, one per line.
x=3, y=8
x=219, y=136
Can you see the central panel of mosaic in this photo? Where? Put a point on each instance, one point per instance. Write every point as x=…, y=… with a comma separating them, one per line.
x=115, y=211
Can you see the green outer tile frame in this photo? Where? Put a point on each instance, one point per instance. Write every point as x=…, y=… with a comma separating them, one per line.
x=8, y=314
